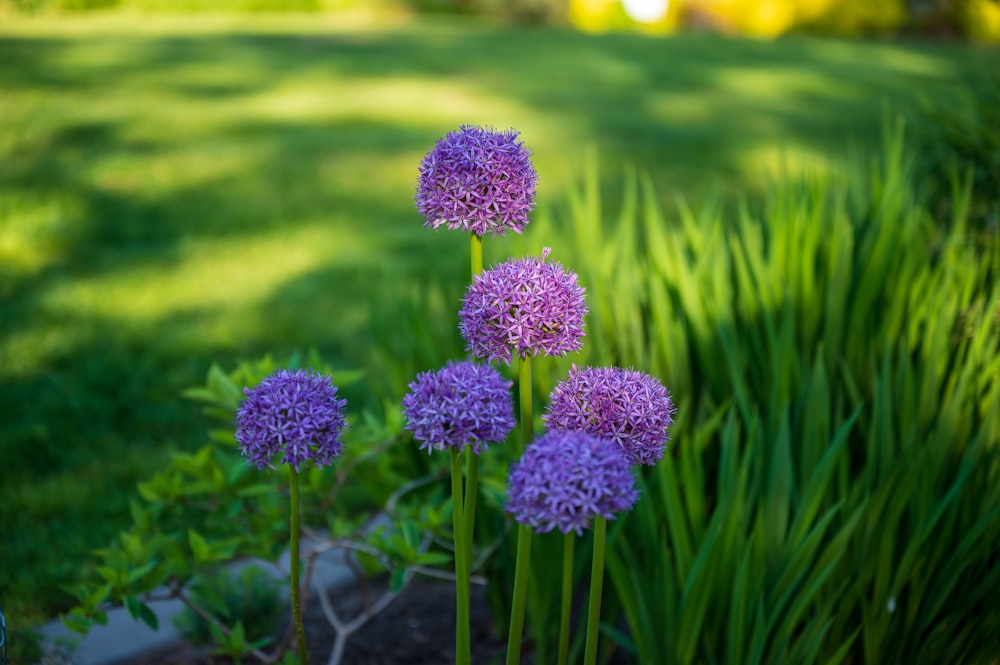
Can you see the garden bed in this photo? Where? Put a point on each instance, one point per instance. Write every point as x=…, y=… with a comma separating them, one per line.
x=418, y=628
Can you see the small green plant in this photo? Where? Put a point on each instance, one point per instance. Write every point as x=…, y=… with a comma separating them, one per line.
x=250, y=596
x=208, y=508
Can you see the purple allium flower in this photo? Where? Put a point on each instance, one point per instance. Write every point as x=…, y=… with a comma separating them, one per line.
x=477, y=180
x=527, y=305
x=565, y=479
x=623, y=405
x=295, y=413
x=463, y=403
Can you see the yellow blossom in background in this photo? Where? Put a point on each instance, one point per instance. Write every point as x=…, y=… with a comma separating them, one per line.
x=981, y=20
x=649, y=16
x=763, y=18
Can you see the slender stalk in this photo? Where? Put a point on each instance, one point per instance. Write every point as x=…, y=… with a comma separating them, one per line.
x=567, y=597
x=471, y=494
x=477, y=254
x=472, y=463
x=300, y=630
x=524, y=393
x=522, y=566
x=463, y=648
x=521, y=573
x=596, y=582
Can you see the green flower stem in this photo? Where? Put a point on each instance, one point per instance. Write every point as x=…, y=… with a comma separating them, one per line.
x=469, y=508
x=472, y=463
x=300, y=630
x=596, y=582
x=477, y=254
x=463, y=649
x=522, y=566
x=521, y=573
x=567, y=597
x=524, y=390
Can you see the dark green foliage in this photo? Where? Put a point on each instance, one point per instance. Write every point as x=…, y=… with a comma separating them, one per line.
x=831, y=491
x=961, y=148
x=251, y=595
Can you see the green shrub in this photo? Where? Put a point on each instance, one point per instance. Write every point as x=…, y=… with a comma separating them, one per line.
x=831, y=493
x=251, y=596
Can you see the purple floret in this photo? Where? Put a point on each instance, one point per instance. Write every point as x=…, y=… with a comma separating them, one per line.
x=628, y=407
x=478, y=180
x=462, y=404
x=293, y=414
x=566, y=479
x=525, y=306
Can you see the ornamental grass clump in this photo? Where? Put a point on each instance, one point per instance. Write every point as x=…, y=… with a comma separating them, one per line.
x=292, y=417
x=629, y=407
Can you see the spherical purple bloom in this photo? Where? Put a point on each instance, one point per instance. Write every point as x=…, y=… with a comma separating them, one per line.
x=623, y=405
x=565, y=479
x=293, y=414
x=526, y=305
x=477, y=180
x=462, y=404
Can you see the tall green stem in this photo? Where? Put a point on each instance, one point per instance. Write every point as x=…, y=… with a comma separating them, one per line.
x=596, y=582
x=300, y=630
x=463, y=650
x=477, y=254
x=471, y=492
x=522, y=566
x=524, y=390
x=567, y=597
x=472, y=463
x=522, y=571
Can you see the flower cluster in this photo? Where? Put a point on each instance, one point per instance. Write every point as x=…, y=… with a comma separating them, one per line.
x=464, y=403
x=527, y=305
x=293, y=414
x=565, y=479
x=477, y=180
x=623, y=405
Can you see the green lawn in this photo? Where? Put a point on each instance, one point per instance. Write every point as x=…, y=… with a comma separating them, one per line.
x=174, y=191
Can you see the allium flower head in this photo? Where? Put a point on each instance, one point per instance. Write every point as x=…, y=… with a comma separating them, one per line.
x=565, y=479
x=623, y=405
x=526, y=306
x=462, y=404
x=477, y=180
x=293, y=414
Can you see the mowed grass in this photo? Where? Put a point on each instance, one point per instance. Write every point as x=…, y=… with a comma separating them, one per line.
x=175, y=191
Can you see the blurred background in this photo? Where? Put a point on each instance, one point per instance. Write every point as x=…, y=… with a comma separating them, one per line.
x=185, y=182
x=973, y=19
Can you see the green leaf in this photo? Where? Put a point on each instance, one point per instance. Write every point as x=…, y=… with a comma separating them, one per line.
x=433, y=559
x=397, y=580
x=77, y=622
x=199, y=548
x=138, y=573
